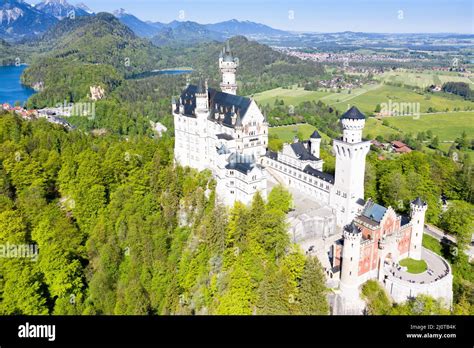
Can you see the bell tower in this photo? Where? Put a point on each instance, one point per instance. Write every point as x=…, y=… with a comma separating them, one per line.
x=351, y=154
x=228, y=66
x=417, y=213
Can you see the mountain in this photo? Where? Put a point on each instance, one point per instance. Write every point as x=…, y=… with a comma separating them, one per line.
x=85, y=8
x=87, y=51
x=246, y=28
x=19, y=20
x=139, y=27
x=60, y=9
x=157, y=25
x=185, y=33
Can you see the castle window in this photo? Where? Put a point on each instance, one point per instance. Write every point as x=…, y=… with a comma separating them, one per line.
x=350, y=273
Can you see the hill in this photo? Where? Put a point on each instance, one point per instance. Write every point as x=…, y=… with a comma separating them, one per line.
x=185, y=33
x=246, y=28
x=98, y=48
x=261, y=67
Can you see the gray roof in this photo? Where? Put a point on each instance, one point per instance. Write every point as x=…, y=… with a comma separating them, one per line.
x=353, y=114
x=224, y=136
x=319, y=174
x=419, y=202
x=227, y=53
x=229, y=104
x=244, y=166
x=302, y=152
x=374, y=211
x=352, y=228
x=315, y=135
x=272, y=155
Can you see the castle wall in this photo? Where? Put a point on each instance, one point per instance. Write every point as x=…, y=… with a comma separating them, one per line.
x=401, y=291
x=318, y=189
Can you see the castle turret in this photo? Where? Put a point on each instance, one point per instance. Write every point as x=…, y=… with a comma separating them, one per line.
x=228, y=66
x=315, y=144
x=202, y=98
x=350, y=260
x=417, y=213
x=351, y=154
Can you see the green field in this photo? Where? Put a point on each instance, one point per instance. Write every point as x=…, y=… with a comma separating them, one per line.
x=288, y=133
x=447, y=126
x=293, y=96
x=432, y=244
x=366, y=98
x=422, y=79
x=414, y=266
x=368, y=101
x=374, y=127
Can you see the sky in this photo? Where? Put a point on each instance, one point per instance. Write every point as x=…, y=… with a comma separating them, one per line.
x=381, y=16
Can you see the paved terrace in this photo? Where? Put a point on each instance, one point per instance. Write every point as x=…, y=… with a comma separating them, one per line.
x=437, y=269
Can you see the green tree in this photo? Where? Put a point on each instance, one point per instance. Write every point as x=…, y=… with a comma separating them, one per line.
x=312, y=294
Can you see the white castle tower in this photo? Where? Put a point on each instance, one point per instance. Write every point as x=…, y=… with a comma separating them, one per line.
x=350, y=259
x=228, y=66
x=417, y=213
x=202, y=99
x=315, y=144
x=351, y=154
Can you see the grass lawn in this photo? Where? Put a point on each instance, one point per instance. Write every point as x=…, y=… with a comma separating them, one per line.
x=414, y=266
x=368, y=101
x=374, y=127
x=422, y=79
x=293, y=96
x=288, y=133
x=432, y=244
x=447, y=126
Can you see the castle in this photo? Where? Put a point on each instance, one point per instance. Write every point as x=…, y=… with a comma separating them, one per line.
x=360, y=240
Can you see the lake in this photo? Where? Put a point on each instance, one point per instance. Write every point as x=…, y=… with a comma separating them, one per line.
x=11, y=89
x=173, y=72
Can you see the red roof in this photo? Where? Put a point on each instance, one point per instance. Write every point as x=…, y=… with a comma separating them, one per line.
x=404, y=149
x=399, y=144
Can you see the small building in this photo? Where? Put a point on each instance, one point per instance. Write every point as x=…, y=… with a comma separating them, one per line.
x=400, y=147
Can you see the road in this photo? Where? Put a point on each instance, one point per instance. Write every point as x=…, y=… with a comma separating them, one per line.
x=446, y=238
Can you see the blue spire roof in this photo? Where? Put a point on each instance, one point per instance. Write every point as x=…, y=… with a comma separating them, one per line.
x=353, y=114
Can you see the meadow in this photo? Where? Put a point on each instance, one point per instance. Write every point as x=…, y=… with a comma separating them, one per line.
x=366, y=98
x=422, y=79
x=447, y=126
x=368, y=101
x=293, y=96
x=288, y=133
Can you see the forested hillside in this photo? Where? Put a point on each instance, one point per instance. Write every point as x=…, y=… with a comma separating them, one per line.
x=261, y=68
x=121, y=231
x=87, y=51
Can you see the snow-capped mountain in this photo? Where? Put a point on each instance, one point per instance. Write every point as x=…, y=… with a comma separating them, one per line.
x=19, y=20
x=60, y=9
x=84, y=7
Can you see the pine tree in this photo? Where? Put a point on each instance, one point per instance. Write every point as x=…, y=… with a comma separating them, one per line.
x=312, y=293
